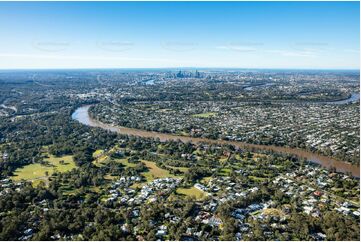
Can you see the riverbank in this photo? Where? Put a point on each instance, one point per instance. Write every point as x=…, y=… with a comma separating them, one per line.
x=82, y=115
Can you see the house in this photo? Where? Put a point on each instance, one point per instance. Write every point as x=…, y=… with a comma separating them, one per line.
x=161, y=233
x=307, y=209
x=212, y=221
x=135, y=213
x=125, y=228
x=319, y=236
x=317, y=193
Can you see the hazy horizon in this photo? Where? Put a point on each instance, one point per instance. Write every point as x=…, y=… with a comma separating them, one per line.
x=250, y=35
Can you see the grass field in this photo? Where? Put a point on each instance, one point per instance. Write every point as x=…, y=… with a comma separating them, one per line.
x=110, y=177
x=273, y=211
x=198, y=152
x=125, y=162
x=37, y=172
x=257, y=179
x=99, y=162
x=205, y=180
x=204, y=115
x=224, y=172
x=155, y=172
x=97, y=153
x=68, y=189
x=256, y=155
x=182, y=169
x=100, y=158
x=223, y=159
x=192, y=192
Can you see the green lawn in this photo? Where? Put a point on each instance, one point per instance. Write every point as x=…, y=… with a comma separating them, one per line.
x=97, y=153
x=68, y=189
x=224, y=172
x=125, y=162
x=155, y=172
x=223, y=159
x=101, y=160
x=205, y=180
x=182, y=169
x=192, y=192
x=257, y=179
x=204, y=115
x=36, y=172
x=273, y=212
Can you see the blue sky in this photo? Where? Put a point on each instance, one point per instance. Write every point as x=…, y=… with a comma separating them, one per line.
x=316, y=35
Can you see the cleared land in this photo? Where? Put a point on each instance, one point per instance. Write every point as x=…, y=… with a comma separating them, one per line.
x=192, y=192
x=155, y=172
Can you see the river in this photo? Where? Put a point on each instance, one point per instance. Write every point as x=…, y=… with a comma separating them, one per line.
x=352, y=99
x=250, y=88
x=81, y=115
x=9, y=107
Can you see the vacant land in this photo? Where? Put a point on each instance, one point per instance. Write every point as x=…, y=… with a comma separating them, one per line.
x=192, y=192
x=155, y=172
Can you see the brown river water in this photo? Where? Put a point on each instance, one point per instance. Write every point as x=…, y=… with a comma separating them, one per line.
x=81, y=114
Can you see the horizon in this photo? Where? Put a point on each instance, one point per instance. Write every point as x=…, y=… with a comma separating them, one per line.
x=180, y=35
x=179, y=69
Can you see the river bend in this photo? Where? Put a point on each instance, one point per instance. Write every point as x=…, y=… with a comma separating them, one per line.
x=82, y=115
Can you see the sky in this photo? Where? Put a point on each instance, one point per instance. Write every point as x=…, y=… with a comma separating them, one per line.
x=301, y=35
